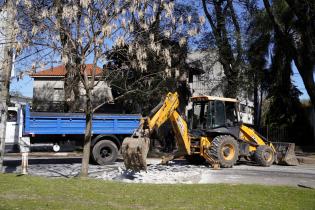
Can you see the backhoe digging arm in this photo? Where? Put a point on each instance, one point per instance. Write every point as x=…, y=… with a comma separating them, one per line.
x=135, y=148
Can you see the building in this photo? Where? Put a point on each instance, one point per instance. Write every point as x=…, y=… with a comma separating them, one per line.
x=48, y=89
x=208, y=82
x=211, y=82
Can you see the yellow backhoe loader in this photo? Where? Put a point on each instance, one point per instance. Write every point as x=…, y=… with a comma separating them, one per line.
x=212, y=133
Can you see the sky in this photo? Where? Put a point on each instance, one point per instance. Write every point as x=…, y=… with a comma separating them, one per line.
x=297, y=80
x=24, y=86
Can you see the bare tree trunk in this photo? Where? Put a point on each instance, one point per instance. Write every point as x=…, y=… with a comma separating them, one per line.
x=88, y=134
x=4, y=98
x=256, y=108
x=5, y=75
x=72, y=77
x=231, y=64
x=71, y=87
x=260, y=107
x=308, y=80
x=304, y=60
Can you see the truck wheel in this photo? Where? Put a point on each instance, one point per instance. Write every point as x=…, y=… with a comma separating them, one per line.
x=105, y=152
x=264, y=155
x=225, y=150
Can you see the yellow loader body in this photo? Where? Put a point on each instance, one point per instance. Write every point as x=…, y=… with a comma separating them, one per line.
x=217, y=145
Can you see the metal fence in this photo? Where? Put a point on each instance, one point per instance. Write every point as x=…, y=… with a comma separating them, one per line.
x=276, y=134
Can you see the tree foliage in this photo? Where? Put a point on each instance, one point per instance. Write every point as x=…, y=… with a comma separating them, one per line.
x=270, y=56
x=167, y=69
x=294, y=23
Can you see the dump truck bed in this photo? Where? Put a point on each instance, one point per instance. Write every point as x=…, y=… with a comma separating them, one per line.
x=74, y=123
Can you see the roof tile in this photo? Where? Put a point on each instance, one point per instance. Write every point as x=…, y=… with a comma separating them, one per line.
x=60, y=71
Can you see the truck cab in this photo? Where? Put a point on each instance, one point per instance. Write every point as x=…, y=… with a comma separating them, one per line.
x=14, y=129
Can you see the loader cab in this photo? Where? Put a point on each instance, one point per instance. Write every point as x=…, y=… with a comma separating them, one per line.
x=215, y=114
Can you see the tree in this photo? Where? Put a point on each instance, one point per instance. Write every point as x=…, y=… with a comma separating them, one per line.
x=69, y=52
x=299, y=41
x=82, y=31
x=156, y=81
x=304, y=57
x=7, y=35
x=257, y=53
x=274, y=76
x=227, y=35
x=258, y=43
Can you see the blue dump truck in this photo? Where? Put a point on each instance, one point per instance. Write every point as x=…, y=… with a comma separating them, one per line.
x=61, y=130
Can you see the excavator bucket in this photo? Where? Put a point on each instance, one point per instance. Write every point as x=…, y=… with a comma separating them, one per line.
x=285, y=154
x=135, y=151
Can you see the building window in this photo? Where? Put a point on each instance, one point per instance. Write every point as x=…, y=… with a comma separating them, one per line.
x=58, y=94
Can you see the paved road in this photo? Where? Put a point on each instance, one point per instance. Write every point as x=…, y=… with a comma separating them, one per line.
x=178, y=171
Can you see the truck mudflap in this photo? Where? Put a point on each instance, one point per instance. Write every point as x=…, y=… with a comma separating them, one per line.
x=285, y=154
x=134, y=151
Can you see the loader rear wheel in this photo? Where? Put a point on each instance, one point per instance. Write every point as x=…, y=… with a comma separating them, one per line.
x=105, y=152
x=225, y=150
x=264, y=155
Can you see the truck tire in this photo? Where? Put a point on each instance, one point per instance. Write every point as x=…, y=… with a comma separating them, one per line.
x=264, y=155
x=225, y=150
x=105, y=152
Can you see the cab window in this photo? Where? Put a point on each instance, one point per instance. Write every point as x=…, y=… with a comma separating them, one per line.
x=12, y=116
x=219, y=114
x=231, y=115
x=200, y=117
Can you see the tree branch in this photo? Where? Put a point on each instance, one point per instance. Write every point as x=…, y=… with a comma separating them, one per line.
x=237, y=31
x=214, y=28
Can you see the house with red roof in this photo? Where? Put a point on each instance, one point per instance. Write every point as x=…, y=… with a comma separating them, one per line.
x=48, y=89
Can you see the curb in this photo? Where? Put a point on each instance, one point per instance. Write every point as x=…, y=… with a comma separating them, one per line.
x=306, y=160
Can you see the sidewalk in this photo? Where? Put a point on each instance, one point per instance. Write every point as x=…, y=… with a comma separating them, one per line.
x=305, y=159
x=305, y=155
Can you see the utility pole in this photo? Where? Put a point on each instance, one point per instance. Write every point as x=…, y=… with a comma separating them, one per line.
x=7, y=15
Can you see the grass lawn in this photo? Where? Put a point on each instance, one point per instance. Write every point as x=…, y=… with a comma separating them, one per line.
x=27, y=192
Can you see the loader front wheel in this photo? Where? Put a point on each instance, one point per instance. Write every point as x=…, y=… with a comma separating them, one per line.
x=264, y=155
x=225, y=150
